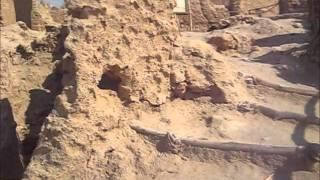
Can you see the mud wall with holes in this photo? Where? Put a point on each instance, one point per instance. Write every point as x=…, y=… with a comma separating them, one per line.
x=7, y=12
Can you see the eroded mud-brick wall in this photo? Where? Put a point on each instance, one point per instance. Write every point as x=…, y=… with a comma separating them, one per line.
x=7, y=12
x=269, y=8
x=259, y=7
x=58, y=15
x=203, y=13
x=23, y=11
x=206, y=12
x=36, y=20
x=26, y=11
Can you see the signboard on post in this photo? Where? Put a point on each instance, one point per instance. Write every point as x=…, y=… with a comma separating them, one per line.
x=181, y=7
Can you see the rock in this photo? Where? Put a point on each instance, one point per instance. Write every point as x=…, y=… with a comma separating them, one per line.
x=297, y=25
x=180, y=90
x=26, y=52
x=250, y=80
x=178, y=76
x=169, y=143
x=22, y=25
x=223, y=41
x=245, y=107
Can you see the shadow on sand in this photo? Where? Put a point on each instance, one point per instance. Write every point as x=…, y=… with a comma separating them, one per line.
x=293, y=64
x=11, y=166
x=306, y=161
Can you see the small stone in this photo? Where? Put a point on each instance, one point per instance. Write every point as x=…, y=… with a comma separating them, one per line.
x=22, y=25
x=180, y=90
x=297, y=25
x=223, y=42
x=281, y=67
x=249, y=80
x=178, y=77
x=245, y=107
x=165, y=120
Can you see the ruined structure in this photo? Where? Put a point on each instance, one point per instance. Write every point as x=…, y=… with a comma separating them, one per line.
x=259, y=7
x=82, y=95
x=199, y=15
x=23, y=9
x=36, y=20
x=26, y=11
x=7, y=12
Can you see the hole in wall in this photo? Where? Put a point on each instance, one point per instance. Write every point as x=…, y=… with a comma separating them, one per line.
x=109, y=80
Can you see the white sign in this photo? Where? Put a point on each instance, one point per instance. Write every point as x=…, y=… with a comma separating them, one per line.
x=181, y=6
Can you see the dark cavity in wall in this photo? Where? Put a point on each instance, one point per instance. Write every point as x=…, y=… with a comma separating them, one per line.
x=109, y=80
x=23, y=11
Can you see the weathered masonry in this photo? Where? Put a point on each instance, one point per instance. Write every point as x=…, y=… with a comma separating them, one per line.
x=198, y=15
x=7, y=12
x=26, y=11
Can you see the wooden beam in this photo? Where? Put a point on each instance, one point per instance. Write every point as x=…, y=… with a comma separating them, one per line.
x=225, y=146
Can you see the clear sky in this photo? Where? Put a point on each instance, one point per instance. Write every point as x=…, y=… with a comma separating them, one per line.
x=55, y=2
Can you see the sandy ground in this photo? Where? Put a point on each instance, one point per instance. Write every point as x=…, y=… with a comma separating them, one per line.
x=274, y=61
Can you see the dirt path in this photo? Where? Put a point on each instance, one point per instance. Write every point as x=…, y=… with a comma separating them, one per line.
x=278, y=57
x=275, y=65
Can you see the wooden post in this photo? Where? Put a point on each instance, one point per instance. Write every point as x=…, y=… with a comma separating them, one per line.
x=190, y=14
